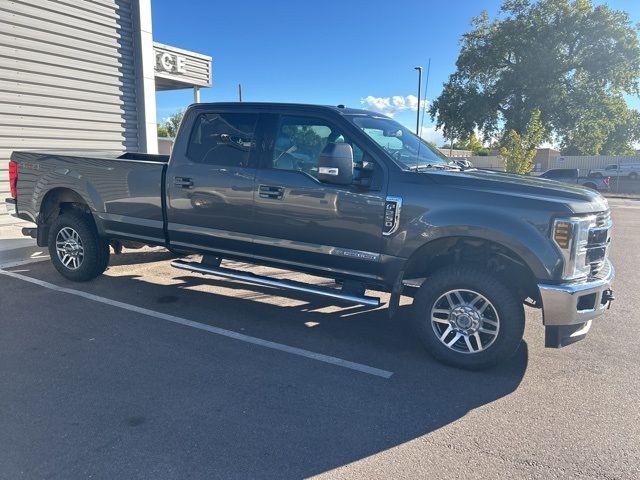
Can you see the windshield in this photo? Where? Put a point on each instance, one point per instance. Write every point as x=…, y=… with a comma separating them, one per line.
x=409, y=151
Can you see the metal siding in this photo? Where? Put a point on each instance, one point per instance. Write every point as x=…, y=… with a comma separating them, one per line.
x=68, y=77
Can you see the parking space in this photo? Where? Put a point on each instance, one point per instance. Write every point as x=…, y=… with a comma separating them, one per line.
x=149, y=372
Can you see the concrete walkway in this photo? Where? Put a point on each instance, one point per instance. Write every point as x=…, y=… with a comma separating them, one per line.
x=14, y=247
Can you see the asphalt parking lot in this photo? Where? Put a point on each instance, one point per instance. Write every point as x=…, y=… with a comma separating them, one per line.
x=149, y=372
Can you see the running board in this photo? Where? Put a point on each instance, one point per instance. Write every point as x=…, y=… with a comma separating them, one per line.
x=270, y=282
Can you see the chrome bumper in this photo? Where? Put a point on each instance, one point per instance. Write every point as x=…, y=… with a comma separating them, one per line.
x=574, y=304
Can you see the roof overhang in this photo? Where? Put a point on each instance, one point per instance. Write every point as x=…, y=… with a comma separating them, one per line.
x=176, y=68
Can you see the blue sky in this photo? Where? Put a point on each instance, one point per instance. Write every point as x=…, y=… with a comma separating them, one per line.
x=327, y=52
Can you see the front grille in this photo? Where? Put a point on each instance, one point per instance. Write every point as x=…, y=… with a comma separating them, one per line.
x=598, y=244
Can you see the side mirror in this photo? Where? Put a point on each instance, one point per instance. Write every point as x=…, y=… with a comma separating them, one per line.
x=335, y=164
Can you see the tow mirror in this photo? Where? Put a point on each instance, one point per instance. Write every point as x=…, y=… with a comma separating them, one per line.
x=335, y=164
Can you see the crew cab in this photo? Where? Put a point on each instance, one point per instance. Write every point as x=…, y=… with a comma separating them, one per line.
x=346, y=194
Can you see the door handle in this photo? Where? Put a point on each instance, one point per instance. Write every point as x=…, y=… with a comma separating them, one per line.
x=183, y=182
x=270, y=191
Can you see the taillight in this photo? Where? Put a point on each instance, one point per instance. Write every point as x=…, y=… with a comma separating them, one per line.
x=606, y=180
x=13, y=178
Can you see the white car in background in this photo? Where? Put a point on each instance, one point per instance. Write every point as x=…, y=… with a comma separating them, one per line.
x=631, y=170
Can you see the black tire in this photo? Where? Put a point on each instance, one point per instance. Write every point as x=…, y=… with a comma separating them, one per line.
x=95, y=250
x=505, y=304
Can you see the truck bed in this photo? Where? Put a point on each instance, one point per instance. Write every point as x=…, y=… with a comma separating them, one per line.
x=123, y=189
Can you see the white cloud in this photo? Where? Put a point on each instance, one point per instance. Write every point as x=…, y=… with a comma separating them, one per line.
x=431, y=134
x=391, y=105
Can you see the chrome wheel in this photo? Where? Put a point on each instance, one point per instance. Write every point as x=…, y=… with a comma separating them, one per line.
x=465, y=321
x=69, y=248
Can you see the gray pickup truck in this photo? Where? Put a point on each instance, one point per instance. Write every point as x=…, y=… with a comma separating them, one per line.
x=340, y=193
x=572, y=175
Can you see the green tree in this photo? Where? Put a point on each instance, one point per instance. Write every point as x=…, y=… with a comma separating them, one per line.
x=518, y=149
x=162, y=131
x=172, y=123
x=470, y=142
x=569, y=59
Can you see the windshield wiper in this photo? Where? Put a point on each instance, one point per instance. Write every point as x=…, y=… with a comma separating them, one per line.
x=439, y=166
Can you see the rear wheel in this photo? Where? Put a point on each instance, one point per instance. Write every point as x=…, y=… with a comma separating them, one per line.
x=76, y=249
x=467, y=318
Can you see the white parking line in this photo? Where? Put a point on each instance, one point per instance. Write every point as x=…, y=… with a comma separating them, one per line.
x=208, y=328
x=28, y=261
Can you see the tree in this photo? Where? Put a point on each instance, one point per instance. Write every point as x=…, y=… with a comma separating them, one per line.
x=162, y=131
x=518, y=150
x=470, y=142
x=171, y=124
x=566, y=58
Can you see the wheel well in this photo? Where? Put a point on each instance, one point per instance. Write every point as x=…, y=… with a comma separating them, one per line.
x=54, y=203
x=504, y=262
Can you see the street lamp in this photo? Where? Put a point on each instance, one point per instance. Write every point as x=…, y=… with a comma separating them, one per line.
x=419, y=69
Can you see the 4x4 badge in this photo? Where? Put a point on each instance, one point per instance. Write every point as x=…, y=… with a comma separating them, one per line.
x=392, y=207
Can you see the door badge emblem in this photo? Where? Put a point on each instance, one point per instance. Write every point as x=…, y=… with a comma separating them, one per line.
x=392, y=207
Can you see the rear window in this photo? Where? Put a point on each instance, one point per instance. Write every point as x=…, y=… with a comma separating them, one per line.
x=560, y=173
x=225, y=139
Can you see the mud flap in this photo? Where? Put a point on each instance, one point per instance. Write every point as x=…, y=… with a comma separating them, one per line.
x=558, y=336
x=396, y=293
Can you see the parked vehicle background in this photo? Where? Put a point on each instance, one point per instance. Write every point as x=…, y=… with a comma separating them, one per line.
x=631, y=170
x=572, y=175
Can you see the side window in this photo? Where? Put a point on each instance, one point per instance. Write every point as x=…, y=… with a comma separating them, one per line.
x=300, y=140
x=224, y=139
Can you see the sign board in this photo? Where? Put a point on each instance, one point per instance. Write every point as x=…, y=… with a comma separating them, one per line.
x=176, y=68
x=172, y=63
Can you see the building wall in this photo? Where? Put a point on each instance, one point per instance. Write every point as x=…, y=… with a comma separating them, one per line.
x=68, y=77
x=489, y=162
x=447, y=152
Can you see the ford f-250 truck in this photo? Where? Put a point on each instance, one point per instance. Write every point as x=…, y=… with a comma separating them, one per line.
x=340, y=193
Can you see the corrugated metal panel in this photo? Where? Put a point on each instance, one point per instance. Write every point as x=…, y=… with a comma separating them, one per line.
x=68, y=77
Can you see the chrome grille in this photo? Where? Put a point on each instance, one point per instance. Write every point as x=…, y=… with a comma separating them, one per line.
x=598, y=244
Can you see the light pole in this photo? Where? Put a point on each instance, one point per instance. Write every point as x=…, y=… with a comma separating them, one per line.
x=419, y=69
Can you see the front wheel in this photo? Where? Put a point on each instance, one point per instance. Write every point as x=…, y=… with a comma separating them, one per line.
x=76, y=249
x=467, y=318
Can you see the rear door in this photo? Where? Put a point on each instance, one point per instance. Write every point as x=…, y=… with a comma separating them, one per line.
x=210, y=184
x=302, y=221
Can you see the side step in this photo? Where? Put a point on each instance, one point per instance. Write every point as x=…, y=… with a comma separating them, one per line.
x=287, y=284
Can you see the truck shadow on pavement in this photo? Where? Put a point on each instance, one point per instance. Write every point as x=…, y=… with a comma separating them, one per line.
x=269, y=421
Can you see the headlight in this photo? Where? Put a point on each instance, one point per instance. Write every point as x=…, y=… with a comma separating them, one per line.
x=571, y=236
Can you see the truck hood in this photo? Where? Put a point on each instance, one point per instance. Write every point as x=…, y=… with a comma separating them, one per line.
x=576, y=198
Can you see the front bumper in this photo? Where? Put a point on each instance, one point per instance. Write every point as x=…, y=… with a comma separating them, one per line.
x=574, y=303
x=568, y=309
